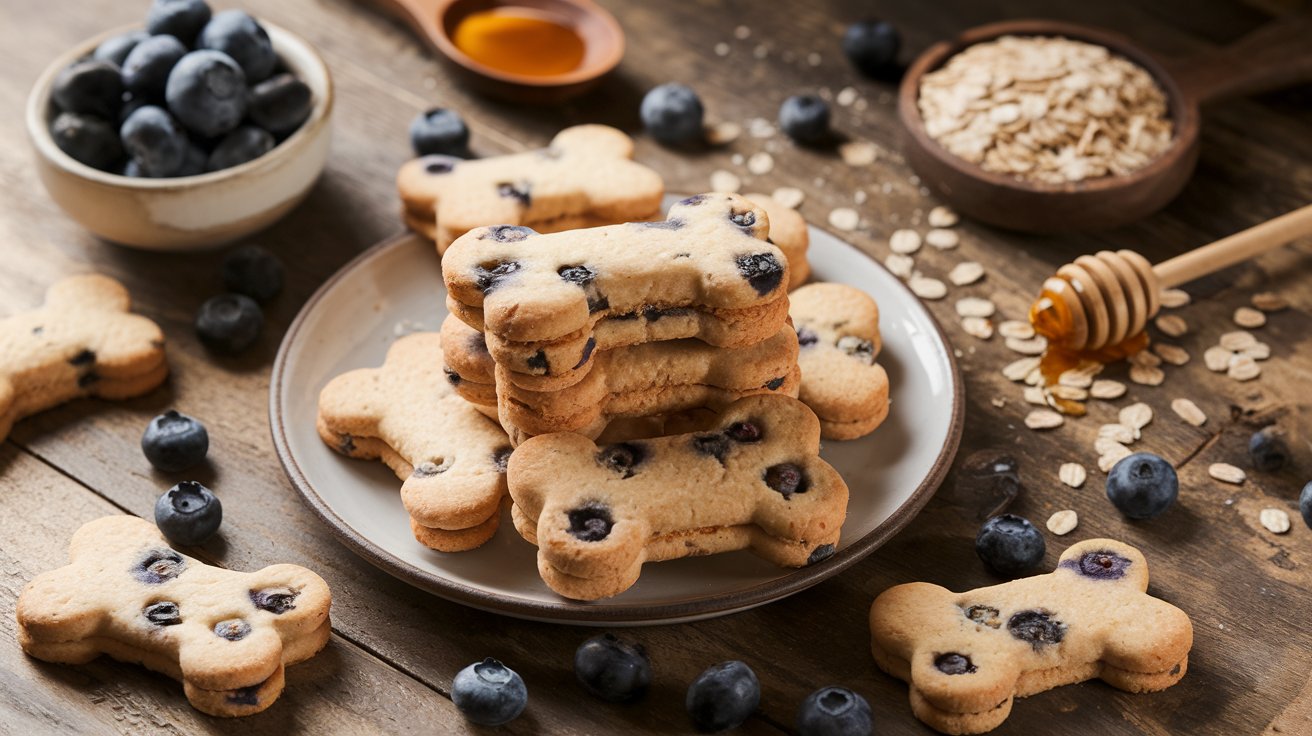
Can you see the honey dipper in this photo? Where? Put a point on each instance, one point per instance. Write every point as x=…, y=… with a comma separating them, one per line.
x=1102, y=300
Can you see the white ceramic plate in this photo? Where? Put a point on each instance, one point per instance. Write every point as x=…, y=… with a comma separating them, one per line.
x=396, y=287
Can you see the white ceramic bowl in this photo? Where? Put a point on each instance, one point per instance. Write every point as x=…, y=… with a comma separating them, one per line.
x=190, y=212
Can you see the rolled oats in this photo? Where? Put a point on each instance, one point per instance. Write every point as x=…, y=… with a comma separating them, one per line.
x=1036, y=395
x=899, y=265
x=979, y=327
x=1243, y=368
x=965, y=273
x=1032, y=346
x=1017, y=329
x=1136, y=416
x=720, y=134
x=1217, y=358
x=844, y=218
x=1146, y=375
x=1226, y=473
x=1249, y=317
x=1043, y=419
x=1070, y=393
x=973, y=306
x=760, y=163
x=1276, y=521
x=1266, y=301
x=1238, y=340
x=942, y=216
x=942, y=239
x=1173, y=354
x=1017, y=370
x=1172, y=298
x=858, y=153
x=927, y=288
x=790, y=197
x=1072, y=474
x=1107, y=389
x=904, y=241
x=1189, y=411
x=1063, y=522
x=725, y=181
x=1121, y=433
x=1257, y=351
x=1172, y=324
x=1108, y=460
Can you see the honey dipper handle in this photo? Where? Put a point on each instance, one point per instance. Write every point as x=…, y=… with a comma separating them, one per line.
x=1241, y=246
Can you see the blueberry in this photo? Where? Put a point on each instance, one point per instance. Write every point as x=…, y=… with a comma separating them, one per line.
x=1142, y=485
x=1009, y=545
x=115, y=49
x=174, y=441
x=246, y=143
x=188, y=513
x=280, y=104
x=237, y=34
x=834, y=711
x=805, y=118
x=253, y=271
x=146, y=70
x=1268, y=450
x=614, y=670
x=439, y=131
x=207, y=92
x=872, y=47
x=1305, y=504
x=87, y=139
x=194, y=161
x=672, y=113
x=155, y=141
x=723, y=696
x=91, y=87
x=489, y=693
x=229, y=323
x=181, y=19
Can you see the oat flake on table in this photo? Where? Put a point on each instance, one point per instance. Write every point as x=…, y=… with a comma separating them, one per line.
x=1226, y=473
x=1276, y=521
x=760, y=163
x=844, y=218
x=725, y=181
x=904, y=241
x=1035, y=395
x=942, y=216
x=1122, y=433
x=1044, y=419
x=1174, y=298
x=1108, y=460
x=1243, y=368
x=1107, y=389
x=1146, y=375
x=1249, y=318
x=1072, y=474
x=979, y=327
x=858, y=153
x=1257, y=351
x=1017, y=329
x=966, y=273
x=1136, y=416
x=1145, y=358
x=1075, y=378
x=1268, y=301
x=1189, y=411
x=942, y=239
x=1032, y=346
x=927, y=288
x=1238, y=340
x=723, y=133
x=1217, y=358
x=790, y=197
x=1063, y=522
x=1017, y=370
x=973, y=306
x=1173, y=354
x=1172, y=324
x=899, y=265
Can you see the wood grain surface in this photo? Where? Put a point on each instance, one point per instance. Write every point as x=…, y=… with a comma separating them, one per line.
x=395, y=650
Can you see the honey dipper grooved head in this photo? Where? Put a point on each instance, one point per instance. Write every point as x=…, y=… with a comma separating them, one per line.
x=1097, y=301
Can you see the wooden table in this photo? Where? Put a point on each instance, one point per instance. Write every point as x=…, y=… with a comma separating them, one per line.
x=395, y=650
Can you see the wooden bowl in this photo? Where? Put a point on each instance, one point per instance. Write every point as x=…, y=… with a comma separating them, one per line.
x=1271, y=57
x=187, y=212
x=603, y=41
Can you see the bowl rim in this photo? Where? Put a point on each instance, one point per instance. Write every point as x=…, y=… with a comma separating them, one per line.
x=1183, y=110
x=38, y=105
x=448, y=48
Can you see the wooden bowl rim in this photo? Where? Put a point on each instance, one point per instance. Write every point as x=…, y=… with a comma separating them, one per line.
x=585, y=73
x=1183, y=110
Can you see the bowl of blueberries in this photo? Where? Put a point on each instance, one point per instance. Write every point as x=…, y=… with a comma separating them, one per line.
x=195, y=130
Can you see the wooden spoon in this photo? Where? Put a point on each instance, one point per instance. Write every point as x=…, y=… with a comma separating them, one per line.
x=1103, y=299
x=1274, y=56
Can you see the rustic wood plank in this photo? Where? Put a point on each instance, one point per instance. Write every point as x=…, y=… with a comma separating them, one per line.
x=343, y=689
x=1209, y=557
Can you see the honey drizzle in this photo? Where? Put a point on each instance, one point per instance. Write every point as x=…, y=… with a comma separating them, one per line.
x=520, y=41
x=1052, y=319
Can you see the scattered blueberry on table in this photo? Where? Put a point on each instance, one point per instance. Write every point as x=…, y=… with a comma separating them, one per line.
x=1305, y=504
x=188, y=513
x=253, y=271
x=489, y=693
x=613, y=669
x=1268, y=450
x=723, y=696
x=174, y=441
x=872, y=47
x=672, y=113
x=439, y=131
x=805, y=118
x=229, y=323
x=1142, y=485
x=212, y=83
x=1009, y=545
x=834, y=711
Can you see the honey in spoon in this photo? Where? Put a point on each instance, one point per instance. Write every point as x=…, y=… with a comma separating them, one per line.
x=519, y=40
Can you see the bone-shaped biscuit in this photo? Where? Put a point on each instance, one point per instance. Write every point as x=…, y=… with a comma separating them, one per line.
x=788, y=232
x=966, y=656
x=452, y=458
x=652, y=379
x=753, y=479
x=226, y=635
x=82, y=342
x=584, y=177
x=708, y=256
x=838, y=330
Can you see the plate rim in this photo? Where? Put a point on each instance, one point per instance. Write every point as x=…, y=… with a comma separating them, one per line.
x=589, y=613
